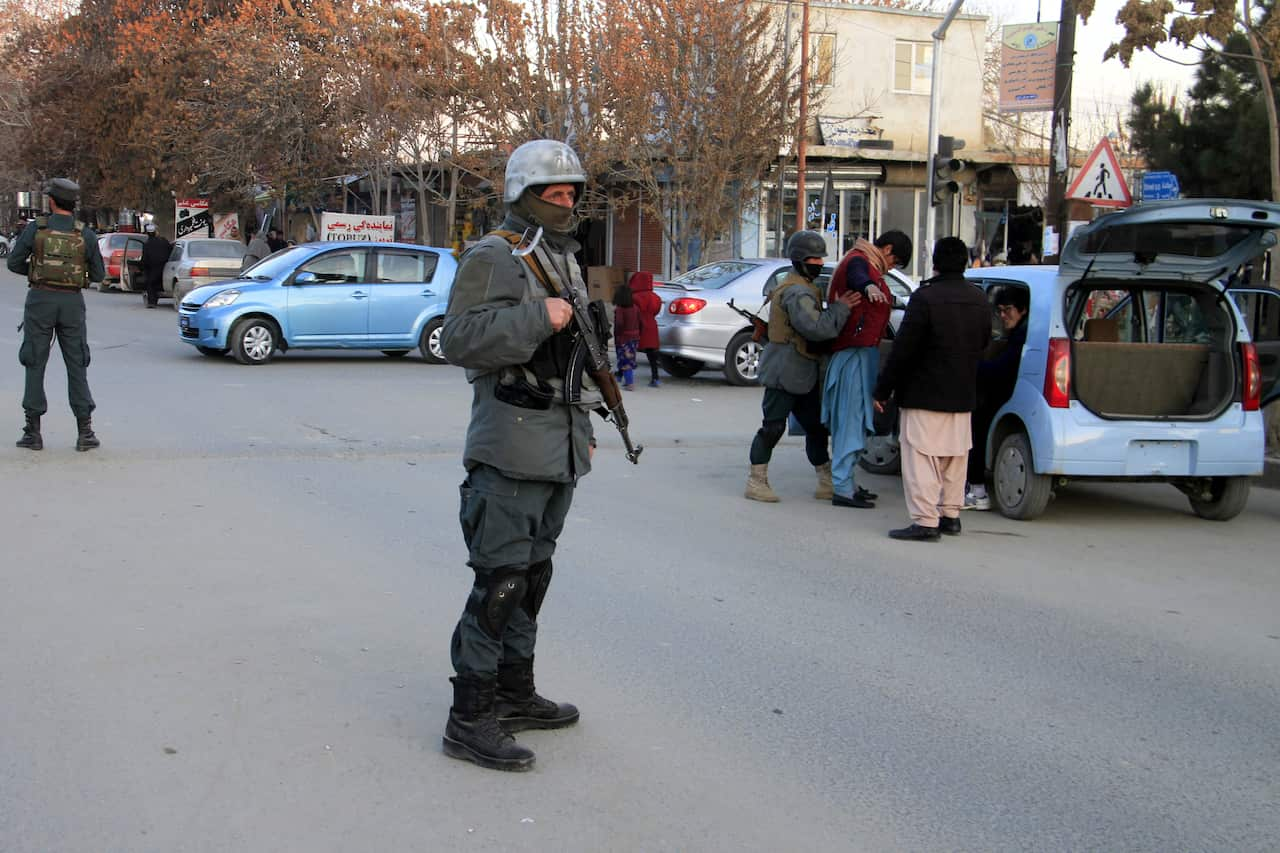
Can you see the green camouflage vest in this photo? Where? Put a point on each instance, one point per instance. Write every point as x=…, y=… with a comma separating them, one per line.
x=57, y=258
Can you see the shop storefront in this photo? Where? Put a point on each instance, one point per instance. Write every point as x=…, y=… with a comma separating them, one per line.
x=846, y=202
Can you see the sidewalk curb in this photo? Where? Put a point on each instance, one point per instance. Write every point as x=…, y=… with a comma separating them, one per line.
x=1270, y=478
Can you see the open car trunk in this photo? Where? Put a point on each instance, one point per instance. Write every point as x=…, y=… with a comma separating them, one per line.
x=1152, y=349
x=1152, y=333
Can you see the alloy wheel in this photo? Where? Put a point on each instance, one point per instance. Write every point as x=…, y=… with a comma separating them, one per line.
x=747, y=359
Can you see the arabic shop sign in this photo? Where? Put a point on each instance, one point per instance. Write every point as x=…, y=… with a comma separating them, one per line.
x=356, y=227
x=1028, y=53
x=848, y=131
x=192, y=217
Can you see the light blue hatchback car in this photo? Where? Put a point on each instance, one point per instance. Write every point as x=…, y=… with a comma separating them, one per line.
x=380, y=296
x=1140, y=362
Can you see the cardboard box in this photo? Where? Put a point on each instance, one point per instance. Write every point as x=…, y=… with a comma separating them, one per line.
x=601, y=282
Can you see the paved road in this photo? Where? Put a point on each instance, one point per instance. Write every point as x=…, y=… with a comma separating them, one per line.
x=226, y=630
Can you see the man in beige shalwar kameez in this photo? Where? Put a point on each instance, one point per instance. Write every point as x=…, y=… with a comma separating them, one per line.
x=932, y=373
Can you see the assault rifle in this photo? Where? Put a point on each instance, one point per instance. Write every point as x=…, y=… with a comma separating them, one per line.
x=759, y=325
x=589, y=354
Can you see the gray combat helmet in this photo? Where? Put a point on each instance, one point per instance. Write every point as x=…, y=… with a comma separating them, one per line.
x=542, y=162
x=805, y=244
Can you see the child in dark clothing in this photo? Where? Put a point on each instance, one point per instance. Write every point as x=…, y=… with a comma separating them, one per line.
x=626, y=334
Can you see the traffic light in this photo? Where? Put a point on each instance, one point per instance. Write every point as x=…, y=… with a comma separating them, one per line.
x=942, y=185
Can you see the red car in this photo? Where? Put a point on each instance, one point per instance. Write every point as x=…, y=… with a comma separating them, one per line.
x=116, y=248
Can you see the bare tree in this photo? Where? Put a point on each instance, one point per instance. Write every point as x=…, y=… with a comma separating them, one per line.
x=701, y=96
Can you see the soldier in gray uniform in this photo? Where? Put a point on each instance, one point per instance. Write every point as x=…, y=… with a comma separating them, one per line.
x=59, y=256
x=791, y=365
x=527, y=444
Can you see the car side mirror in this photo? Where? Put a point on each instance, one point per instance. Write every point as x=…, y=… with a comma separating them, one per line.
x=306, y=278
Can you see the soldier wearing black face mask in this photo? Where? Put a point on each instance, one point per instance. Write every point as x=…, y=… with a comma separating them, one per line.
x=528, y=443
x=790, y=366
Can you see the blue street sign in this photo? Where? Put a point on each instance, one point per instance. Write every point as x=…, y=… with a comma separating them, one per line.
x=1158, y=186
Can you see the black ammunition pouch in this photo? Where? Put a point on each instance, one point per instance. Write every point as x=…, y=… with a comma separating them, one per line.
x=551, y=359
x=524, y=395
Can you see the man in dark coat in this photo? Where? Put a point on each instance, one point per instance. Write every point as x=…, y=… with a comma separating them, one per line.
x=996, y=380
x=275, y=242
x=155, y=254
x=933, y=373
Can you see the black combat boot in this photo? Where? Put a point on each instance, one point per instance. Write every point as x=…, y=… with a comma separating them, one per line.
x=86, y=440
x=473, y=733
x=31, y=439
x=519, y=706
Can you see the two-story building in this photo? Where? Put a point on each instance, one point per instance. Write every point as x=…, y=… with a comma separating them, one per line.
x=867, y=139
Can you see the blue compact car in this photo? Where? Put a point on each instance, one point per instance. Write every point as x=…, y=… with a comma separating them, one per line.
x=1145, y=358
x=379, y=296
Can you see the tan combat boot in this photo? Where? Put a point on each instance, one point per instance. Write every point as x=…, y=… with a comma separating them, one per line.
x=825, y=492
x=758, y=488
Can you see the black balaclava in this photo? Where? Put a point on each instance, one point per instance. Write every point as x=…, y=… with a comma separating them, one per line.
x=809, y=271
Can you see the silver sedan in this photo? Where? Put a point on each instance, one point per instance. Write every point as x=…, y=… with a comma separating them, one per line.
x=197, y=261
x=697, y=329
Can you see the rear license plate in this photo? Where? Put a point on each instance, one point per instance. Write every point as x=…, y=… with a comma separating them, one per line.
x=1159, y=457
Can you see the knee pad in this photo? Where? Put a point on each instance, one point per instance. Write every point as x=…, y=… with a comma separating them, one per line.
x=539, y=580
x=771, y=431
x=499, y=596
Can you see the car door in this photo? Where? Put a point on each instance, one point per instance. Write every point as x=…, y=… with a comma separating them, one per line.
x=1260, y=308
x=401, y=290
x=170, y=273
x=328, y=299
x=131, y=277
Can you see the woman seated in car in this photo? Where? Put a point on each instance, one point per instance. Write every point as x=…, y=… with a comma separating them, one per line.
x=996, y=378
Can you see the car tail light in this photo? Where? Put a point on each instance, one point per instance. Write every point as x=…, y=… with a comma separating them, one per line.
x=1057, y=374
x=1252, y=378
x=198, y=271
x=116, y=255
x=687, y=305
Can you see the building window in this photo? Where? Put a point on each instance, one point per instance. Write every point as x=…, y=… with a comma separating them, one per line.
x=822, y=60
x=912, y=66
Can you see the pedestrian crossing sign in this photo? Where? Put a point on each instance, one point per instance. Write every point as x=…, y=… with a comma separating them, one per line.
x=1101, y=181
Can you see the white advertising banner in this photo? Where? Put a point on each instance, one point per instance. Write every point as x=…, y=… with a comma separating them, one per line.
x=357, y=227
x=193, y=218
x=226, y=226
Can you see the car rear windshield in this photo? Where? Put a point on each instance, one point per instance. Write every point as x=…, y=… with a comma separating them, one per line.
x=713, y=276
x=216, y=249
x=1150, y=314
x=1188, y=239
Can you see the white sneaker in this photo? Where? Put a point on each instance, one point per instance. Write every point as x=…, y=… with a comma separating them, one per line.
x=972, y=501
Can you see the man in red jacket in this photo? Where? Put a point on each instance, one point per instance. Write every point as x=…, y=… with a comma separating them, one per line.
x=855, y=358
x=649, y=304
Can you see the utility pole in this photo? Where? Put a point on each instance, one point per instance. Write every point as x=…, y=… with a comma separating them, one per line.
x=783, y=100
x=804, y=117
x=1059, y=146
x=930, y=218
